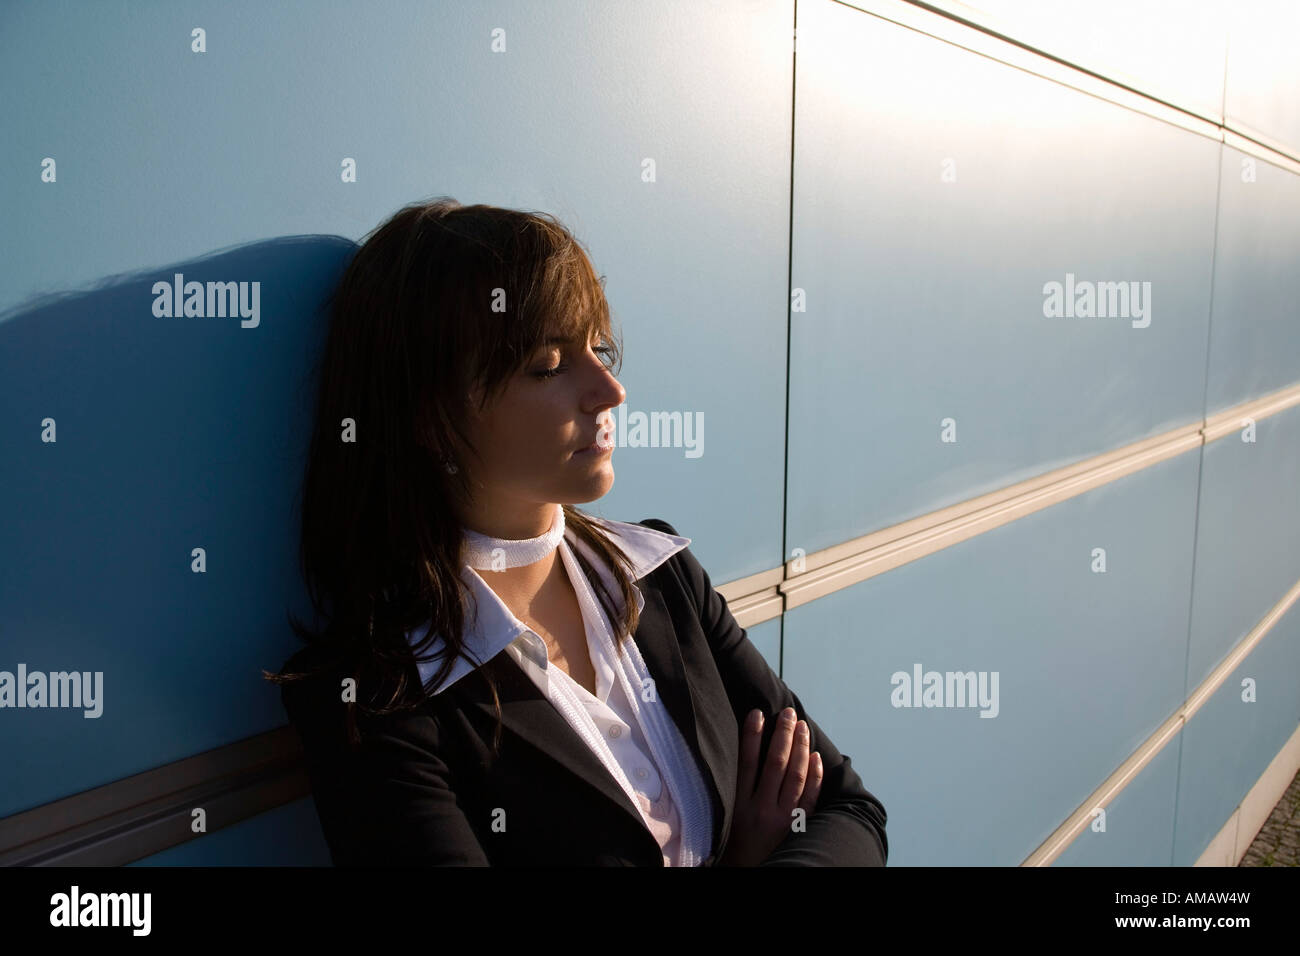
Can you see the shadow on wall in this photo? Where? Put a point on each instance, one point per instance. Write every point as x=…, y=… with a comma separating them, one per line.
x=151, y=475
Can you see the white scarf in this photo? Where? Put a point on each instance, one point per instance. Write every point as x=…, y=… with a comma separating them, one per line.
x=481, y=550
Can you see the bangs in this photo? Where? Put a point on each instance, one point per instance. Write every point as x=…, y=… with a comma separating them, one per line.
x=577, y=312
x=561, y=302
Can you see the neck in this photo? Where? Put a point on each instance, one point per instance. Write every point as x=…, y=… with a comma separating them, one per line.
x=521, y=587
x=485, y=552
x=510, y=524
x=517, y=569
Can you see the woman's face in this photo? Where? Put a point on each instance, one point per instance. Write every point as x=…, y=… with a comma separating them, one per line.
x=531, y=440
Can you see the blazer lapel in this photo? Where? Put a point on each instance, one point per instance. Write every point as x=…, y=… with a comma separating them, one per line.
x=656, y=638
x=527, y=713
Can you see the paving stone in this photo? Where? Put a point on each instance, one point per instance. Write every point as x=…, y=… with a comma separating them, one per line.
x=1278, y=840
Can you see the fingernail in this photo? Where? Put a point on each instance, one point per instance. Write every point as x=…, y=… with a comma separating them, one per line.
x=755, y=721
x=788, y=715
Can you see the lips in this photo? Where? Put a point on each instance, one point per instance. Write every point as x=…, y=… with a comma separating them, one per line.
x=605, y=431
x=596, y=446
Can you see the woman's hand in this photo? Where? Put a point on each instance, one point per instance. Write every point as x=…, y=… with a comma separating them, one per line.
x=765, y=808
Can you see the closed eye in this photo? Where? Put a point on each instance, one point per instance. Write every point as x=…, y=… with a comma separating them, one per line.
x=603, y=350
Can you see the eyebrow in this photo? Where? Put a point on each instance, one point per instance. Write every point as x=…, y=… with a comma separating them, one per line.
x=564, y=340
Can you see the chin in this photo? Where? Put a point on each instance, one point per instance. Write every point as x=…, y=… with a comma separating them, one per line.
x=597, y=488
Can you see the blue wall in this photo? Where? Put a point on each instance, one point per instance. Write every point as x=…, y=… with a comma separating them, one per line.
x=916, y=194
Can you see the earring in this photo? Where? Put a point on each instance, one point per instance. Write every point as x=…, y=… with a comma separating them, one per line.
x=450, y=466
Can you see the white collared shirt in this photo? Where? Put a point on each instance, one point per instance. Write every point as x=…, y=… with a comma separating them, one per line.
x=610, y=721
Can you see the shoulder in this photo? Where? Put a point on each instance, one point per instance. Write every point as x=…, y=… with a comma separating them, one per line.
x=681, y=564
x=329, y=708
x=659, y=524
x=645, y=545
x=679, y=551
x=317, y=699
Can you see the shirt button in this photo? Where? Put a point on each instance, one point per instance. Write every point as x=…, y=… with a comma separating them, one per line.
x=642, y=773
x=616, y=731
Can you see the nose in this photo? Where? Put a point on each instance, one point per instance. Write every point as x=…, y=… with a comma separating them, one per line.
x=610, y=394
x=607, y=391
x=620, y=394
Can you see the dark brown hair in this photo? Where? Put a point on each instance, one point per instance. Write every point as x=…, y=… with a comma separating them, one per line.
x=415, y=327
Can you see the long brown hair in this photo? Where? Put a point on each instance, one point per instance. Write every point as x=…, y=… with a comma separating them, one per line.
x=415, y=326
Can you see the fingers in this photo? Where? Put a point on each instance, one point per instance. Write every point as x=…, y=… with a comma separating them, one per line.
x=796, y=774
x=750, y=739
x=778, y=756
x=816, y=773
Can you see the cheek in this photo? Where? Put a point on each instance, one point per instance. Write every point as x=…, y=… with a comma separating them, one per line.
x=531, y=429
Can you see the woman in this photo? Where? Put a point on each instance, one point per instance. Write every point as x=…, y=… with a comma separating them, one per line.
x=476, y=695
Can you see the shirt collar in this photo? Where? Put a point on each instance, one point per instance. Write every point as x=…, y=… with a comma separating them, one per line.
x=496, y=626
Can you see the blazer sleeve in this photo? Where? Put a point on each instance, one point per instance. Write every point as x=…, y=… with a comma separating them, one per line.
x=847, y=827
x=392, y=800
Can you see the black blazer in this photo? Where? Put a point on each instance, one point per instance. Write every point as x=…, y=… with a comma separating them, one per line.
x=422, y=790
